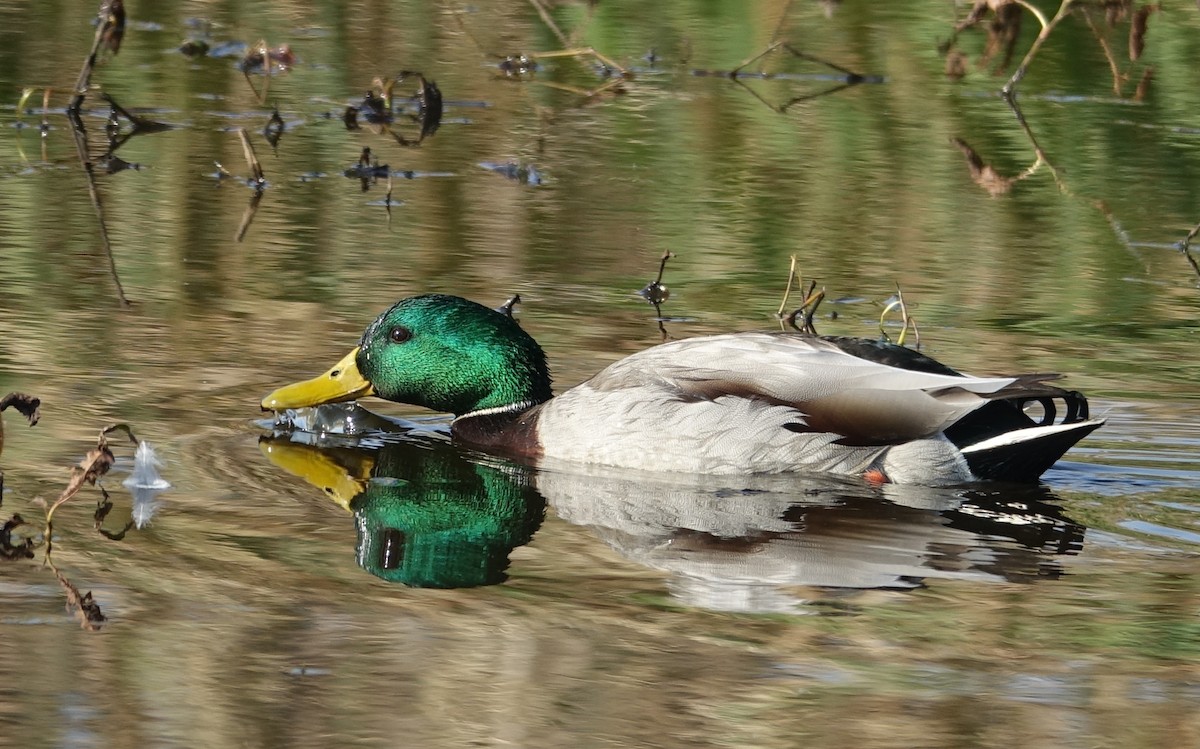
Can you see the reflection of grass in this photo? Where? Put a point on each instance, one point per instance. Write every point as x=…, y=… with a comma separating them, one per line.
x=656, y=601
x=1132, y=617
x=1170, y=508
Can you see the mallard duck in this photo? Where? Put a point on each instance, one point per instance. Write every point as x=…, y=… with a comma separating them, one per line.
x=737, y=403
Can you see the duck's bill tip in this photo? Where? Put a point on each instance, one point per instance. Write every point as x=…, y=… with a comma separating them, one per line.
x=343, y=382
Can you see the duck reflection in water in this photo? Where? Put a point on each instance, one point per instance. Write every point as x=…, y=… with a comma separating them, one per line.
x=428, y=515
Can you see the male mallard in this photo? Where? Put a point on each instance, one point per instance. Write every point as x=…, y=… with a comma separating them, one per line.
x=737, y=403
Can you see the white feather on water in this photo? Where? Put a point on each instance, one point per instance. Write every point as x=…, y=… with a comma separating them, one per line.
x=145, y=483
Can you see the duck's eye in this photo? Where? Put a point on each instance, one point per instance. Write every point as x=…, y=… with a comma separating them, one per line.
x=399, y=334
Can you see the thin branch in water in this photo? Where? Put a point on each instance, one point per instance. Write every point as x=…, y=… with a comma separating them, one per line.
x=137, y=122
x=387, y=201
x=783, y=108
x=248, y=63
x=808, y=306
x=81, y=146
x=754, y=58
x=45, y=127
x=851, y=76
x=582, y=52
x=782, y=19
x=111, y=17
x=1042, y=157
x=656, y=292
x=1118, y=78
x=257, y=180
x=1186, y=247
x=546, y=19
x=506, y=309
x=248, y=215
x=1064, y=9
x=787, y=292
x=806, y=311
x=458, y=14
x=905, y=319
x=26, y=93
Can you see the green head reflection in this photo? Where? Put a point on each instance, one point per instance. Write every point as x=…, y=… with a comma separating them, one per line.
x=426, y=516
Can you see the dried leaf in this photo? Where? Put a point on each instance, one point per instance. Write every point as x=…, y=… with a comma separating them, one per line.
x=20, y=550
x=82, y=605
x=114, y=25
x=982, y=173
x=94, y=465
x=28, y=405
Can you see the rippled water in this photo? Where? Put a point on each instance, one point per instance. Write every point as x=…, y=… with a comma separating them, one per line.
x=607, y=608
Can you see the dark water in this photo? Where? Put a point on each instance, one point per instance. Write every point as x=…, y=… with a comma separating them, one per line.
x=255, y=608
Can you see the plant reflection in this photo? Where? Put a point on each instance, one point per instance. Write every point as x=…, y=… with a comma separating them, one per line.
x=428, y=516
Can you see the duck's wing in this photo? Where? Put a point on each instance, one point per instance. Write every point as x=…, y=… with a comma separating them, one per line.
x=869, y=394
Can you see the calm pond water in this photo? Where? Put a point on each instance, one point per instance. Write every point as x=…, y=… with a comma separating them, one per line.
x=265, y=604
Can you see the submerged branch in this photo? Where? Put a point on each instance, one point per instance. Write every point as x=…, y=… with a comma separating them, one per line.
x=1064, y=9
x=257, y=178
x=546, y=19
x=81, y=146
x=1042, y=157
x=110, y=27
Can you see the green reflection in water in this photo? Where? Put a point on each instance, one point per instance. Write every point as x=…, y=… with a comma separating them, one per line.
x=425, y=515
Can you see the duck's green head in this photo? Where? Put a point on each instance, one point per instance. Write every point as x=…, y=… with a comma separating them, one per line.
x=442, y=352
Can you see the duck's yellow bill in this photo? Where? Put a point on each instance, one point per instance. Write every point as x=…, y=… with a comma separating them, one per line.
x=340, y=483
x=343, y=382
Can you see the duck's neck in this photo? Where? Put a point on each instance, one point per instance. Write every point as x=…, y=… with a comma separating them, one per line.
x=509, y=410
x=505, y=419
x=509, y=429
x=513, y=385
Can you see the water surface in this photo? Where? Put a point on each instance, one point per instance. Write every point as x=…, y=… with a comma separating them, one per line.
x=633, y=610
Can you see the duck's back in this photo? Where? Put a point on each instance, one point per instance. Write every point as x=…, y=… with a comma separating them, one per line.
x=763, y=402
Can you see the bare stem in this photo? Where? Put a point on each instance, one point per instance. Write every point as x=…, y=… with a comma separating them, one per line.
x=1047, y=26
x=546, y=19
x=81, y=146
x=1118, y=79
x=770, y=48
x=787, y=292
x=89, y=64
x=251, y=159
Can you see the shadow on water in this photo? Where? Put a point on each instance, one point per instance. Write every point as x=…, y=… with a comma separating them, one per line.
x=429, y=516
